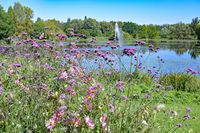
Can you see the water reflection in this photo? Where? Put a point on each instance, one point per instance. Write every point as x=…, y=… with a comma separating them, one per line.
x=177, y=56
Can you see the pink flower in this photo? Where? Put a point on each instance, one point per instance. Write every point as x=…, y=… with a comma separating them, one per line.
x=63, y=75
x=89, y=122
x=70, y=91
x=41, y=36
x=103, y=123
x=56, y=117
x=35, y=45
x=77, y=122
x=50, y=125
x=61, y=44
x=103, y=118
x=109, y=42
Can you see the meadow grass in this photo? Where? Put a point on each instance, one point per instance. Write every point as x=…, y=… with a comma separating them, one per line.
x=42, y=93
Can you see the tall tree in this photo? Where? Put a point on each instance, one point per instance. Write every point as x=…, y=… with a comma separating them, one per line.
x=11, y=20
x=23, y=16
x=5, y=27
x=39, y=26
x=195, y=26
x=194, y=23
x=198, y=31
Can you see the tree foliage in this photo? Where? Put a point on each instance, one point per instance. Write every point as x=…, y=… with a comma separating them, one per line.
x=18, y=19
x=6, y=26
x=131, y=28
x=23, y=16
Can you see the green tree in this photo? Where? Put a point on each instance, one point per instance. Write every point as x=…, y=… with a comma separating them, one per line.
x=152, y=32
x=75, y=24
x=127, y=35
x=106, y=28
x=194, y=23
x=39, y=26
x=181, y=31
x=143, y=32
x=23, y=16
x=165, y=32
x=5, y=24
x=93, y=26
x=198, y=31
x=53, y=26
x=11, y=20
x=131, y=28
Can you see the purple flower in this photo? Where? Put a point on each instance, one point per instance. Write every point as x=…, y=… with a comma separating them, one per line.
x=125, y=98
x=119, y=85
x=70, y=91
x=188, y=110
x=89, y=122
x=62, y=96
x=61, y=44
x=191, y=71
x=140, y=42
x=61, y=36
x=48, y=67
x=146, y=95
x=17, y=65
x=27, y=55
x=113, y=46
x=187, y=116
x=108, y=73
x=63, y=75
x=35, y=45
x=179, y=125
x=111, y=108
x=128, y=51
x=1, y=90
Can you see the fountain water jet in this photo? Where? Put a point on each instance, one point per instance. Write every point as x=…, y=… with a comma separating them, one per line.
x=118, y=37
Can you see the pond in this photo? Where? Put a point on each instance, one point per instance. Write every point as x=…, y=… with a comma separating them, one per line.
x=170, y=58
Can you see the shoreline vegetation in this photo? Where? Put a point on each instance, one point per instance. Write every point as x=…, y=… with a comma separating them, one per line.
x=105, y=39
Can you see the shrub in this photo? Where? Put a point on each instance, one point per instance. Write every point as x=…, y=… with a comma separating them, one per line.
x=181, y=82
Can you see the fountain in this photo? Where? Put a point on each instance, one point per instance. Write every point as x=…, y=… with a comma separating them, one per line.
x=117, y=34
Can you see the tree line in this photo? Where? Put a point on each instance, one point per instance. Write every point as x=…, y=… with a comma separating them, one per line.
x=18, y=19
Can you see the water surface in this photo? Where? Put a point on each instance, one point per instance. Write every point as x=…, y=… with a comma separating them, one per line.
x=177, y=57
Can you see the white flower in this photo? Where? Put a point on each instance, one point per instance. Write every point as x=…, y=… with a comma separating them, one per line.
x=144, y=123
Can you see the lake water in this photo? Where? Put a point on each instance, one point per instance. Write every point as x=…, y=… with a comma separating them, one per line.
x=177, y=57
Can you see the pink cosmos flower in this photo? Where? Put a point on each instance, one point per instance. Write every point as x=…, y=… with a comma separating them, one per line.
x=89, y=122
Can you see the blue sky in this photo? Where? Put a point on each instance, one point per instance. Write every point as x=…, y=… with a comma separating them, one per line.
x=139, y=11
